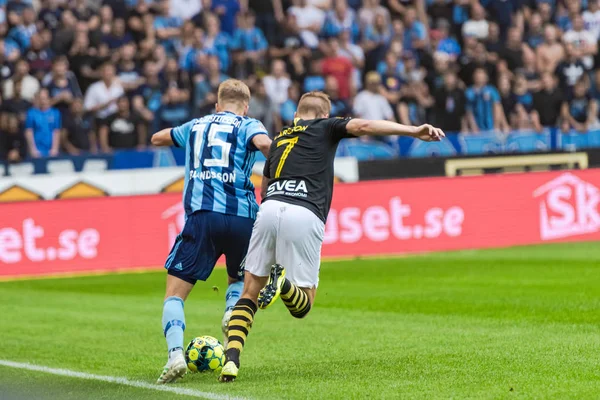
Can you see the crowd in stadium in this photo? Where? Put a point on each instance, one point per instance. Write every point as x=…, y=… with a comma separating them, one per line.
x=93, y=76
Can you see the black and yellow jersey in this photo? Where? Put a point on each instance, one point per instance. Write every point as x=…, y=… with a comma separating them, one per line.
x=300, y=163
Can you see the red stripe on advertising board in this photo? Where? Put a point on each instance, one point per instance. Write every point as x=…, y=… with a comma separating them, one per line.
x=370, y=218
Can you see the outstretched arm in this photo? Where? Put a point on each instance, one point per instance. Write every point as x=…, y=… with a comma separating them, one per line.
x=361, y=127
x=162, y=138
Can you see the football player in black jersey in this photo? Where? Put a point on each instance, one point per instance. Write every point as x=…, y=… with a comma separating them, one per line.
x=289, y=228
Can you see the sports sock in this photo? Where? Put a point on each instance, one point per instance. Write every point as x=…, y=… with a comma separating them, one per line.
x=234, y=291
x=239, y=327
x=295, y=299
x=173, y=322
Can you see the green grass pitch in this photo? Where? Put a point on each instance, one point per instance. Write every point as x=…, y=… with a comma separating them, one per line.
x=516, y=323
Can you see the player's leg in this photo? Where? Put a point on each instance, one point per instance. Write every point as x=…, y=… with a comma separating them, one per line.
x=299, y=250
x=260, y=257
x=192, y=258
x=235, y=248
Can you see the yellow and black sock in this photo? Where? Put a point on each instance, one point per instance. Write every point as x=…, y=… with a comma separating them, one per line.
x=295, y=299
x=240, y=323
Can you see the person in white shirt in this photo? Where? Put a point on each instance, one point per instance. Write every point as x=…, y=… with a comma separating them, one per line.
x=277, y=84
x=477, y=26
x=370, y=103
x=310, y=20
x=591, y=18
x=368, y=12
x=184, y=9
x=29, y=85
x=584, y=43
x=101, y=97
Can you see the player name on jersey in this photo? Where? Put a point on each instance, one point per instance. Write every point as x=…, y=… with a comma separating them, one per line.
x=209, y=174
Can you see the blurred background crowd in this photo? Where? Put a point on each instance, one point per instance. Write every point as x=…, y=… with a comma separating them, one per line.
x=93, y=76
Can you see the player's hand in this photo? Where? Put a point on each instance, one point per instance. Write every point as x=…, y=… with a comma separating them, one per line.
x=429, y=133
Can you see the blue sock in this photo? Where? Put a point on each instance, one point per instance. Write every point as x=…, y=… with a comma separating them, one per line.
x=173, y=322
x=234, y=291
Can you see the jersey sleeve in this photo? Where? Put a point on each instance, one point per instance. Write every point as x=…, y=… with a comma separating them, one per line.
x=252, y=128
x=337, y=129
x=180, y=134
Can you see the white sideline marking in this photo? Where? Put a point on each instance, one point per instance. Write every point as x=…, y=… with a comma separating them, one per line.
x=117, y=380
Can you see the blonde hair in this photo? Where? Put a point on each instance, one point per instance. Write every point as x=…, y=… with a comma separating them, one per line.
x=233, y=91
x=315, y=102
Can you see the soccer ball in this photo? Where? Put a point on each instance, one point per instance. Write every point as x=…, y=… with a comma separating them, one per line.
x=205, y=353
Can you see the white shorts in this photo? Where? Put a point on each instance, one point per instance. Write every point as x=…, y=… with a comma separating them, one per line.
x=289, y=235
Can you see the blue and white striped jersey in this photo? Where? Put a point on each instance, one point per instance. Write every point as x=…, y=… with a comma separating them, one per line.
x=218, y=162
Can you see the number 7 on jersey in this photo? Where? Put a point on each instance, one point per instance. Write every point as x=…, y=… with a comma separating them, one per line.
x=290, y=145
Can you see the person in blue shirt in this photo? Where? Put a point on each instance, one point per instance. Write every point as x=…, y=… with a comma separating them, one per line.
x=341, y=18
x=415, y=33
x=287, y=110
x=220, y=208
x=226, y=10
x=168, y=29
x=249, y=43
x=217, y=42
x=42, y=127
x=484, y=109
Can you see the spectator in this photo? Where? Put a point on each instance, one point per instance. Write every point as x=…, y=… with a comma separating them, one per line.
x=42, y=127
x=217, y=42
x=591, y=18
x=505, y=14
x=449, y=108
x=579, y=112
x=377, y=37
x=340, y=67
x=484, y=110
x=119, y=131
x=477, y=26
x=62, y=86
x=339, y=107
x=535, y=31
x=50, y=14
x=277, y=83
x=250, y=44
x=118, y=36
x=288, y=108
x=226, y=10
x=369, y=103
x=128, y=71
x=39, y=57
x=24, y=29
x=205, y=96
x=263, y=108
x=167, y=28
x=269, y=13
x=370, y=9
x=184, y=9
x=101, y=97
x=29, y=85
x=13, y=112
x=570, y=71
x=199, y=20
x=440, y=9
x=530, y=72
x=341, y=19
x=415, y=106
x=549, y=53
x=513, y=52
x=445, y=43
x=289, y=42
x=78, y=134
x=354, y=53
x=583, y=42
x=547, y=103
x=415, y=33
x=175, y=100
x=523, y=99
x=63, y=38
x=310, y=21
x=480, y=60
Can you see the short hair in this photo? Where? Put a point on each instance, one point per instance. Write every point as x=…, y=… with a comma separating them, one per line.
x=233, y=91
x=314, y=102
